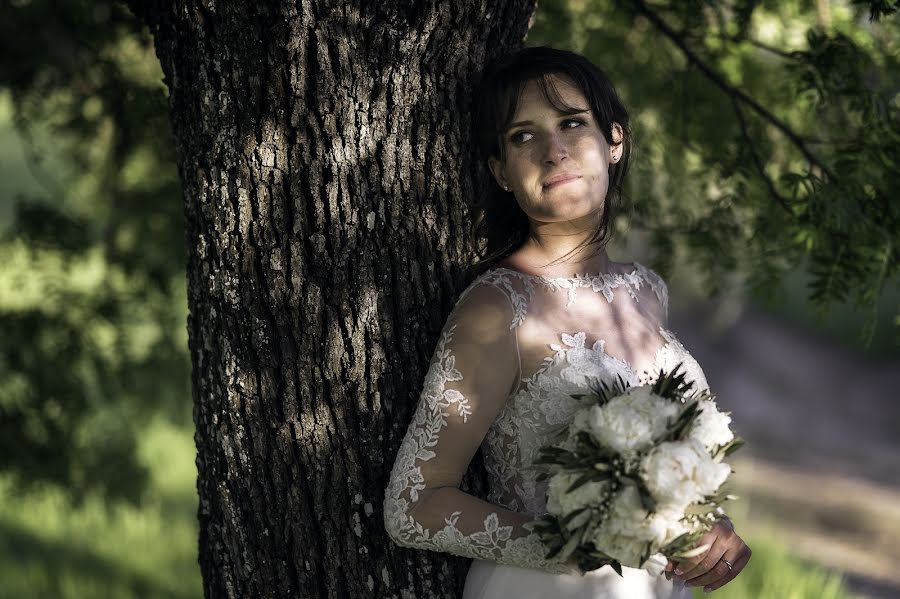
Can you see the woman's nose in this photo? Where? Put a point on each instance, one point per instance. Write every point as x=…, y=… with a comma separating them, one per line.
x=555, y=150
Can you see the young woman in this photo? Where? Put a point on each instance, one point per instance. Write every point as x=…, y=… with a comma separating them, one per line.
x=535, y=326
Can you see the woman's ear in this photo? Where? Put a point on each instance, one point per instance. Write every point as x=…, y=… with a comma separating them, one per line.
x=497, y=170
x=616, y=149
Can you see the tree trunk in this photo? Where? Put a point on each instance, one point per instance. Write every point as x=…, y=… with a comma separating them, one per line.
x=324, y=153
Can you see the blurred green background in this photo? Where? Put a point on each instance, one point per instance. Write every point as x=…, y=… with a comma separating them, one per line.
x=97, y=474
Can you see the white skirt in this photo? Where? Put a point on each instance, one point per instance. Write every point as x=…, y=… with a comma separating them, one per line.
x=490, y=580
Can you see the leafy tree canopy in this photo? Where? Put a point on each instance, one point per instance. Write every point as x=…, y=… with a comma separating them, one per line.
x=769, y=142
x=769, y=137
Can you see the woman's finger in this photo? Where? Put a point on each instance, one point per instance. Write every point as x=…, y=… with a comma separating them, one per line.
x=739, y=564
x=689, y=563
x=706, y=562
x=670, y=568
x=717, y=572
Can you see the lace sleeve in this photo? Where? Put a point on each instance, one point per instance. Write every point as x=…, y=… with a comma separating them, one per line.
x=660, y=307
x=468, y=381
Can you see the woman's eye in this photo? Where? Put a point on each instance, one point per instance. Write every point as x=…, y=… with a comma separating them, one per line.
x=520, y=137
x=572, y=123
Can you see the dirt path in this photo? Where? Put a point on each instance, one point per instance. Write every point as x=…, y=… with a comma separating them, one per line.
x=822, y=424
x=844, y=524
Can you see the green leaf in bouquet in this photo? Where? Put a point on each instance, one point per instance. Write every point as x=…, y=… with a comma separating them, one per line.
x=586, y=438
x=582, y=480
x=693, y=552
x=672, y=385
x=579, y=520
x=647, y=500
x=722, y=494
x=571, y=545
x=552, y=455
x=732, y=446
x=552, y=536
x=677, y=544
x=554, y=552
x=554, y=451
x=700, y=509
x=645, y=554
x=588, y=445
x=538, y=527
x=604, y=391
x=678, y=430
x=564, y=521
x=599, y=555
x=617, y=567
x=705, y=395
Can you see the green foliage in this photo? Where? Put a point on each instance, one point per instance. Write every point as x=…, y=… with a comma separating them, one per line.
x=92, y=286
x=101, y=549
x=768, y=144
x=879, y=8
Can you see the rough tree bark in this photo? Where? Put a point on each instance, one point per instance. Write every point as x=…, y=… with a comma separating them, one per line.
x=324, y=154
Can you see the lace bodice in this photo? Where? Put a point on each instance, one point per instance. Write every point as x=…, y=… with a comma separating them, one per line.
x=512, y=352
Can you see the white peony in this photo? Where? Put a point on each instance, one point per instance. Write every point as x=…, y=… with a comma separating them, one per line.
x=628, y=528
x=620, y=536
x=664, y=526
x=624, y=549
x=711, y=426
x=682, y=472
x=630, y=421
x=560, y=503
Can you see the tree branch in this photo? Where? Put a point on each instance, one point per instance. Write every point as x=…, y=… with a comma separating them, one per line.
x=729, y=89
x=757, y=160
x=736, y=39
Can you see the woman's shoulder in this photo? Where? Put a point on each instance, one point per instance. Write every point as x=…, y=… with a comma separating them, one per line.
x=499, y=290
x=652, y=277
x=658, y=290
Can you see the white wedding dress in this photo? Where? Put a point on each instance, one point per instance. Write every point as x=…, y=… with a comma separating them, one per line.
x=554, y=335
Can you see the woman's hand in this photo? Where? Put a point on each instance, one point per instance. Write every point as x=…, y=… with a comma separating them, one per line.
x=708, y=570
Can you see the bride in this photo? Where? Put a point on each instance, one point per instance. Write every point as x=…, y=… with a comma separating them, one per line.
x=532, y=329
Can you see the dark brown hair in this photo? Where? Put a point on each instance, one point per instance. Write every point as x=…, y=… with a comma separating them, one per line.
x=499, y=221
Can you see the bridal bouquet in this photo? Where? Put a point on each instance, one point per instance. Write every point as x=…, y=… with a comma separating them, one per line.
x=637, y=477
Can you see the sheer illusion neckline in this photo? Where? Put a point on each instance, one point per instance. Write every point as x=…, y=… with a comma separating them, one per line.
x=577, y=341
x=585, y=277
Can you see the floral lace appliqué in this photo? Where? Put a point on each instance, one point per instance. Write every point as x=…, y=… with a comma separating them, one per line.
x=495, y=542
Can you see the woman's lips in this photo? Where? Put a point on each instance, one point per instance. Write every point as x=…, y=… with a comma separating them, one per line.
x=559, y=180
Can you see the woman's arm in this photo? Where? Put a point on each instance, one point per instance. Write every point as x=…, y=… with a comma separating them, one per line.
x=468, y=382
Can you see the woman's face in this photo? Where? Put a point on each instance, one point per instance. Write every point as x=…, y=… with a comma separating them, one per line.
x=557, y=165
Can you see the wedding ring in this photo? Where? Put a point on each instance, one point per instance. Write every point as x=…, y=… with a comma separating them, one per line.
x=727, y=563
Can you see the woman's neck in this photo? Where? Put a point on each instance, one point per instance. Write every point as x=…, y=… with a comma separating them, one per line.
x=535, y=258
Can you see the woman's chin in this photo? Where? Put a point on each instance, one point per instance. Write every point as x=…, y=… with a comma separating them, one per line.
x=569, y=208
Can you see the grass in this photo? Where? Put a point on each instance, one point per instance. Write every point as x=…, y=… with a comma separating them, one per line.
x=773, y=572
x=51, y=548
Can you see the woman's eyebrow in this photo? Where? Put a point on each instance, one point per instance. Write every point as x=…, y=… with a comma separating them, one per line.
x=561, y=113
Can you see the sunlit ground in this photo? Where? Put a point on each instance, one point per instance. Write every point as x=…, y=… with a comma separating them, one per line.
x=50, y=549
